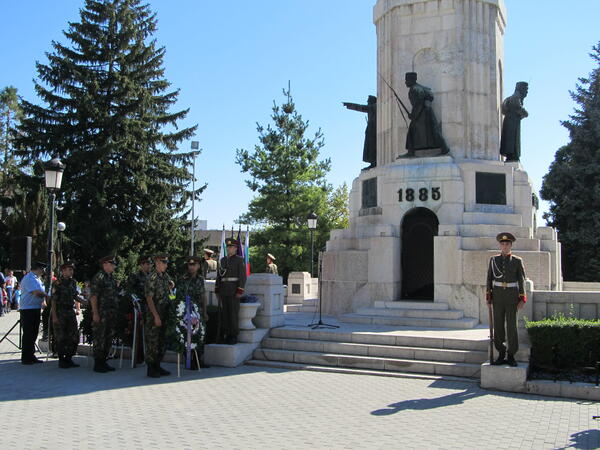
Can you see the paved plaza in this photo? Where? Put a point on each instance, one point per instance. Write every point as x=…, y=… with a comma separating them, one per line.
x=248, y=407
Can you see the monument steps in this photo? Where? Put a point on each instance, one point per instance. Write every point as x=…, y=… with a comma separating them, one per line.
x=493, y=218
x=416, y=304
x=383, y=318
x=491, y=231
x=414, y=313
x=378, y=351
x=490, y=243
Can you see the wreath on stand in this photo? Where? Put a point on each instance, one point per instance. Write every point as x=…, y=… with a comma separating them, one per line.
x=177, y=332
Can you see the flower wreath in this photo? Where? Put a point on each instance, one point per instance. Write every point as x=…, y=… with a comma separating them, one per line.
x=179, y=335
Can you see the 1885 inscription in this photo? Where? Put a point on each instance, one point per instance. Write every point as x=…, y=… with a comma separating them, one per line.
x=422, y=194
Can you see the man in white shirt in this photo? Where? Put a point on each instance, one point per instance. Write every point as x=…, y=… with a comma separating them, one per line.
x=32, y=298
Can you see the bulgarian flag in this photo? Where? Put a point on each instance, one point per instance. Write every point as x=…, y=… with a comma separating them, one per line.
x=223, y=246
x=247, y=252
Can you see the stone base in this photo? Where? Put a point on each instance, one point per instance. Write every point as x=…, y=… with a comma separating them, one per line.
x=271, y=321
x=252, y=336
x=504, y=378
x=227, y=355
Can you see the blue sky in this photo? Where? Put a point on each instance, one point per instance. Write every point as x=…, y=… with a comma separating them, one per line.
x=231, y=60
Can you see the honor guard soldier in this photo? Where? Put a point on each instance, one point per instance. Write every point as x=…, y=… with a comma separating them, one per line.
x=64, y=296
x=158, y=289
x=192, y=284
x=105, y=306
x=136, y=283
x=271, y=266
x=229, y=286
x=209, y=265
x=506, y=294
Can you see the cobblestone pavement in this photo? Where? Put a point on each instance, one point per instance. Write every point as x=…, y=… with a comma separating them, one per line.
x=42, y=406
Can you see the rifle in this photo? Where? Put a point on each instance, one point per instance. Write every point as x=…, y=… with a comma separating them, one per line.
x=491, y=321
x=398, y=101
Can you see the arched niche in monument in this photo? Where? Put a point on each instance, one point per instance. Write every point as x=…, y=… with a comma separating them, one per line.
x=419, y=226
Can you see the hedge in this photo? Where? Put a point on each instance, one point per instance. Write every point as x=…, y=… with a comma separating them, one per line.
x=563, y=342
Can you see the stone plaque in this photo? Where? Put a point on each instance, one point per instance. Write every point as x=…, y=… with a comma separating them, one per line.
x=369, y=193
x=490, y=188
x=295, y=288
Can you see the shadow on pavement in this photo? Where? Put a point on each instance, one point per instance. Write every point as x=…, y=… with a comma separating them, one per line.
x=585, y=439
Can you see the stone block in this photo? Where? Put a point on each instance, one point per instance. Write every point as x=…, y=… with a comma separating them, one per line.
x=270, y=291
x=503, y=378
x=227, y=355
x=252, y=336
x=299, y=287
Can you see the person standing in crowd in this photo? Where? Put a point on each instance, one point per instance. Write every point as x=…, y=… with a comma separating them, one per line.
x=158, y=289
x=209, y=265
x=64, y=299
x=229, y=286
x=136, y=283
x=10, y=285
x=104, y=302
x=506, y=294
x=2, y=284
x=271, y=266
x=32, y=299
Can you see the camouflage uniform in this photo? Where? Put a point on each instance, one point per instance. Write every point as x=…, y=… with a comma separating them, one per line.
x=64, y=294
x=157, y=286
x=104, y=287
x=136, y=284
x=194, y=287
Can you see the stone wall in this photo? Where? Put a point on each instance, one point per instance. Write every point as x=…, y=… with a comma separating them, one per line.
x=580, y=304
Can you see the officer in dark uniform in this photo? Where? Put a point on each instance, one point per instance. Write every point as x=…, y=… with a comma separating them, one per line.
x=271, y=266
x=158, y=289
x=506, y=294
x=105, y=307
x=229, y=286
x=64, y=296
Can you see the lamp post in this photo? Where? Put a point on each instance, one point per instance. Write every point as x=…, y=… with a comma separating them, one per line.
x=195, y=146
x=53, y=173
x=312, y=226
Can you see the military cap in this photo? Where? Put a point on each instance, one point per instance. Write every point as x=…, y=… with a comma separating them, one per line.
x=506, y=237
x=270, y=257
x=162, y=257
x=193, y=260
x=108, y=259
x=208, y=251
x=144, y=259
x=66, y=264
x=231, y=242
x=38, y=265
x=410, y=76
x=522, y=84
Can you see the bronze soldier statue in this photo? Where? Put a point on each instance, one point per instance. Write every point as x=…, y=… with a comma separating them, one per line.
x=424, y=130
x=512, y=108
x=370, y=147
x=229, y=287
x=506, y=294
x=105, y=307
x=64, y=296
x=158, y=289
x=271, y=266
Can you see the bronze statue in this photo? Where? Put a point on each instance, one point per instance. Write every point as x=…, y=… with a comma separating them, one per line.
x=512, y=108
x=424, y=130
x=370, y=147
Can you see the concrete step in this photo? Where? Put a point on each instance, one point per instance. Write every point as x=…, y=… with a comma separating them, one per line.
x=490, y=243
x=478, y=230
x=414, y=304
x=310, y=302
x=308, y=309
x=409, y=321
x=492, y=218
x=381, y=351
x=416, y=313
x=368, y=362
x=346, y=370
x=408, y=339
x=292, y=307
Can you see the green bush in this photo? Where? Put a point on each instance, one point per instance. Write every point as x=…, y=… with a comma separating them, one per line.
x=563, y=342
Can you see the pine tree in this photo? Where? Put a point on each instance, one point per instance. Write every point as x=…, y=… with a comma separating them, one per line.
x=106, y=114
x=572, y=185
x=289, y=181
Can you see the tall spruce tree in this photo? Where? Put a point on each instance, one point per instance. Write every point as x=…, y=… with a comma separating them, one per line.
x=289, y=181
x=572, y=185
x=106, y=114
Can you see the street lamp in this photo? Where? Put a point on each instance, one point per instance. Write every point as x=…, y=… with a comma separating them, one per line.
x=53, y=173
x=312, y=226
x=195, y=146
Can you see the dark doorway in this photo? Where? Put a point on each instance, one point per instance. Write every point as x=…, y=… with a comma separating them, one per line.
x=419, y=226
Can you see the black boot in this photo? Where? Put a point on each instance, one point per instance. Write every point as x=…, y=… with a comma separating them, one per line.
x=162, y=371
x=63, y=363
x=108, y=368
x=70, y=361
x=511, y=361
x=100, y=365
x=152, y=371
x=500, y=360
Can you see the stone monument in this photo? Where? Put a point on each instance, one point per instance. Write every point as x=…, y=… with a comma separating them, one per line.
x=423, y=228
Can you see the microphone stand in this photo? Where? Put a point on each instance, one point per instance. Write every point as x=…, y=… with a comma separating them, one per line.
x=320, y=323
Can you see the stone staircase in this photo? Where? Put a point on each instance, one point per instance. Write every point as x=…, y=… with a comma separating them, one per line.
x=411, y=313
x=379, y=350
x=308, y=305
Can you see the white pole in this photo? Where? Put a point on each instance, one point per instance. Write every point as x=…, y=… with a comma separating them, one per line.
x=194, y=147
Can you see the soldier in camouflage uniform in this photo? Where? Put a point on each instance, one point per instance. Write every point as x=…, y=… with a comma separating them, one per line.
x=136, y=285
x=105, y=307
x=158, y=289
x=192, y=284
x=64, y=296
